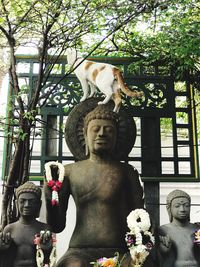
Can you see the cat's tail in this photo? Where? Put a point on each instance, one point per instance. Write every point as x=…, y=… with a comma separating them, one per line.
x=118, y=75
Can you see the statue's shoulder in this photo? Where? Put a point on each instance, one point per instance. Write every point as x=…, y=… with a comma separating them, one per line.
x=11, y=227
x=68, y=168
x=194, y=226
x=72, y=167
x=165, y=228
x=169, y=229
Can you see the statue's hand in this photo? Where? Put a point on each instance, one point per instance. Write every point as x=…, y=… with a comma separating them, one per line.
x=54, y=173
x=47, y=191
x=165, y=243
x=5, y=241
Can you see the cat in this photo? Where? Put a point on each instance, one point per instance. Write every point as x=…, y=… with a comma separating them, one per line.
x=106, y=77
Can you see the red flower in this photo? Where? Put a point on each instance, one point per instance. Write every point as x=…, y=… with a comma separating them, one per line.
x=37, y=239
x=54, y=188
x=51, y=183
x=58, y=184
x=55, y=185
x=54, y=202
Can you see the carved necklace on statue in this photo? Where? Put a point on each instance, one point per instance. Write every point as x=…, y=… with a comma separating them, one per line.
x=54, y=184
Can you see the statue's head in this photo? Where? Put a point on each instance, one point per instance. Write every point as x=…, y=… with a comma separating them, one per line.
x=100, y=130
x=103, y=112
x=28, y=199
x=178, y=205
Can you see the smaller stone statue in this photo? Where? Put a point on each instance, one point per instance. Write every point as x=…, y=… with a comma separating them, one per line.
x=26, y=242
x=177, y=246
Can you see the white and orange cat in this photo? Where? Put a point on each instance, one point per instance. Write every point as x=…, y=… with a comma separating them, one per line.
x=106, y=77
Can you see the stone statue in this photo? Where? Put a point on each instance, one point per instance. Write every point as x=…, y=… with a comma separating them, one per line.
x=104, y=189
x=176, y=239
x=17, y=247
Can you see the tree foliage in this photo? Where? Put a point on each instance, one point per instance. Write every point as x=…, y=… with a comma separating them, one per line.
x=50, y=26
x=170, y=35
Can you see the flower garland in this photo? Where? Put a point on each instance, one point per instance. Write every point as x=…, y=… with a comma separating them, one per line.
x=139, y=240
x=55, y=185
x=139, y=218
x=40, y=254
x=197, y=237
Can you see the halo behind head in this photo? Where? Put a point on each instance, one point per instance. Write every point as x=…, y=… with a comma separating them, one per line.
x=80, y=117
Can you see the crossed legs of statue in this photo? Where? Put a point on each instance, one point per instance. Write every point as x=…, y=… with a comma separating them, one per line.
x=84, y=257
x=72, y=262
x=83, y=263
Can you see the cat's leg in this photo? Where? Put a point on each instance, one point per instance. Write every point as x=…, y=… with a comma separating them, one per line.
x=118, y=100
x=85, y=87
x=93, y=90
x=107, y=90
x=106, y=99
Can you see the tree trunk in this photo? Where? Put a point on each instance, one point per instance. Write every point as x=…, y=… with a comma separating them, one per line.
x=18, y=174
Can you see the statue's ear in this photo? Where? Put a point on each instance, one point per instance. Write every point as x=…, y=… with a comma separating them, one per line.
x=86, y=142
x=86, y=149
x=17, y=208
x=84, y=133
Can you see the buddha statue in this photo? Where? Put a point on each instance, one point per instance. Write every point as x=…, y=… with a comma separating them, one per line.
x=17, y=248
x=176, y=239
x=105, y=190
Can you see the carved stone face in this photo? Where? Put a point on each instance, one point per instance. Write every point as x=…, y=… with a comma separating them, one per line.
x=29, y=205
x=101, y=136
x=180, y=208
